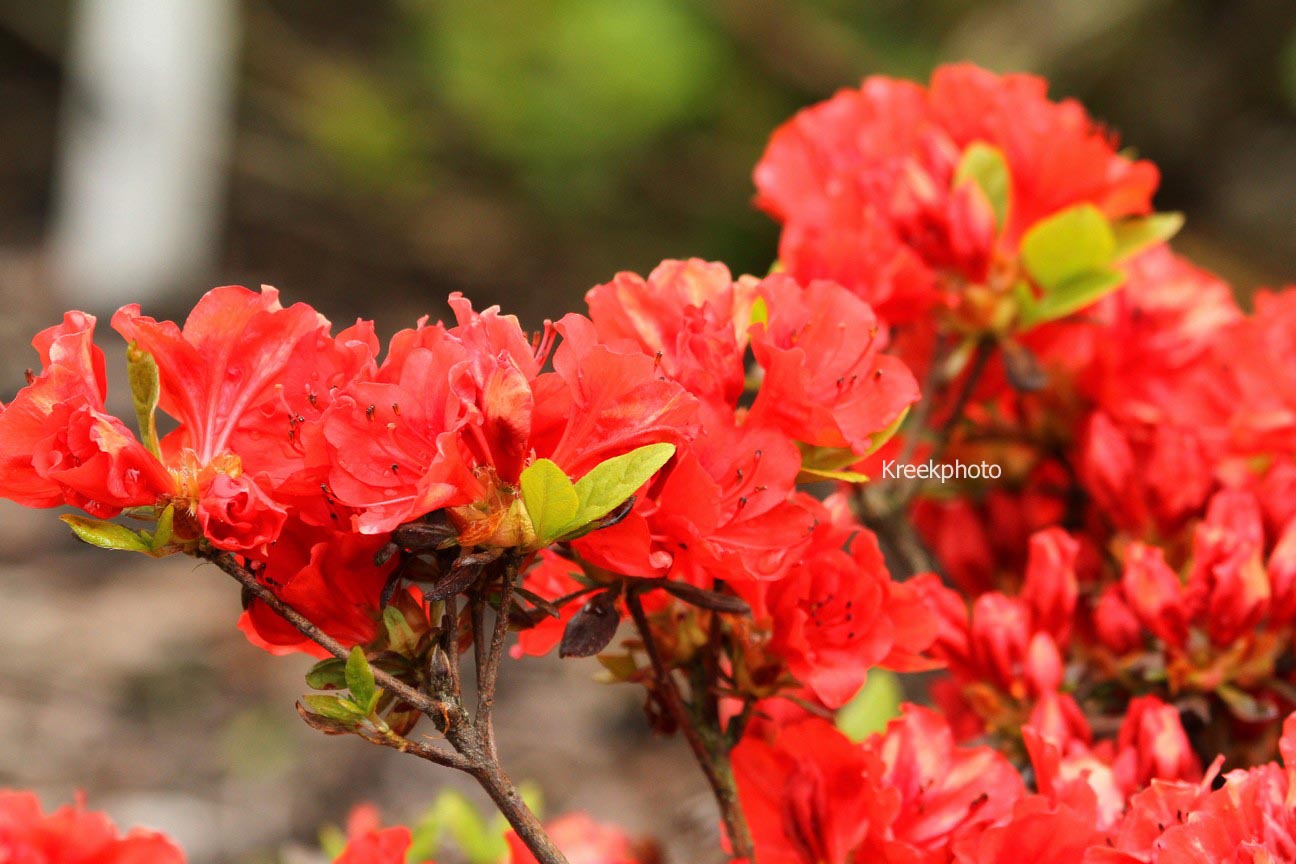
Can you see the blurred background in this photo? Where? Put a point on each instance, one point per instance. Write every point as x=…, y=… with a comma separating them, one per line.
x=371, y=158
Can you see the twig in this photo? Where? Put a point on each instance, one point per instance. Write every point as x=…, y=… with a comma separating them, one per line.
x=227, y=562
x=984, y=350
x=713, y=761
x=475, y=752
x=489, y=676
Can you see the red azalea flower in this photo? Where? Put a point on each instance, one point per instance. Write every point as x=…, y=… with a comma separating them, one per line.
x=385, y=846
x=726, y=508
x=329, y=577
x=1005, y=653
x=74, y=835
x=689, y=315
x=226, y=376
x=370, y=843
x=585, y=841
x=60, y=447
x=393, y=442
x=1228, y=574
x=863, y=183
x=603, y=400
x=229, y=362
x=1152, y=745
x=1038, y=831
x=826, y=381
x=837, y=613
x=945, y=790
x=1250, y=820
x=1144, y=350
x=231, y=353
x=1257, y=358
x=1146, y=478
x=810, y=795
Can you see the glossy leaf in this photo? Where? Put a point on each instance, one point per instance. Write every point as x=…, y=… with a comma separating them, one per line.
x=334, y=708
x=592, y=628
x=1072, y=296
x=610, y=483
x=1068, y=245
x=551, y=500
x=327, y=674
x=1136, y=234
x=142, y=371
x=107, y=535
x=360, y=681
x=985, y=166
x=876, y=703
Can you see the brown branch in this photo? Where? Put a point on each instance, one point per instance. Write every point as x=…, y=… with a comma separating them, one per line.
x=475, y=753
x=984, y=350
x=488, y=677
x=714, y=761
x=388, y=738
x=230, y=564
x=450, y=640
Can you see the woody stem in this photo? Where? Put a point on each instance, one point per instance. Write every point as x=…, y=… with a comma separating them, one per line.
x=703, y=734
x=473, y=748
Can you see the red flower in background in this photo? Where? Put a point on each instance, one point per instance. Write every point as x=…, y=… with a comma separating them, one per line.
x=836, y=613
x=945, y=790
x=368, y=842
x=585, y=841
x=74, y=835
x=810, y=795
x=826, y=381
x=1004, y=652
x=864, y=183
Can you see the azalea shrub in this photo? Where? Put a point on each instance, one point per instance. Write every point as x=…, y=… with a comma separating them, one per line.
x=980, y=434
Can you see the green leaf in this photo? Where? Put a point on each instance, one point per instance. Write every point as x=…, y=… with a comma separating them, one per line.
x=456, y=815
x=360, y=681
x=876, y=703
x=550, y=498
x=610, y=483
x=558, y=508
x=985, y=166
x=142, y=371
x=107, y=535
x=1072, y=296
x=165, y=528
x=335, y=708
x=333, y=841
x=819, y=475
x=1136, y=234
x=327, y=674
x=1067, y=245
x=400, y=635
x=880, y=438
x=828, y=463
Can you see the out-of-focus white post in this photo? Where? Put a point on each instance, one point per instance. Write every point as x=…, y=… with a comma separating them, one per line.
x=145, y=138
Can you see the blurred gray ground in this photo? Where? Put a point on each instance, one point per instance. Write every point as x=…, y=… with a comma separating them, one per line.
x=382, y=155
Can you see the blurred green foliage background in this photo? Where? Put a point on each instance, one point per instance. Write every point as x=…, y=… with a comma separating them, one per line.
x=522, y=150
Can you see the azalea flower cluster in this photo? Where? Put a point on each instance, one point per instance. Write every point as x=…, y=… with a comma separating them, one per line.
x=74, y=835
x=1117, y=611
x=1111, y=610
